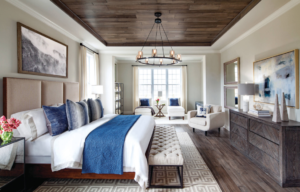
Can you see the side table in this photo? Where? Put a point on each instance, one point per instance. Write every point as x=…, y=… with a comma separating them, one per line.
x=12, y=166
x=159, y=114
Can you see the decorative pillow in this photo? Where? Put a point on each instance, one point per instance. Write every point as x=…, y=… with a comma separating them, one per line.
x=33, y=123
x=144, y=102
x=57, y=119
x=77, y=114
x=95, y=106
x=174, y=102
x=202, y=111
x=208, y=108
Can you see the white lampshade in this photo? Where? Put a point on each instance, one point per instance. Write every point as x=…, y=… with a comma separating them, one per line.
x=97, y=89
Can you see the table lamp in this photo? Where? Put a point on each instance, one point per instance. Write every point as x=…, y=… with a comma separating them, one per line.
x=97, y=90
x=246, y=89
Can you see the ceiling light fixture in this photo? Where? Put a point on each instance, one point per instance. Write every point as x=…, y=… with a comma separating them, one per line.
x=155, y=59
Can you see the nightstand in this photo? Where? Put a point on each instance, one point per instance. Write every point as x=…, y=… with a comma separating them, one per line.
x=12, y=165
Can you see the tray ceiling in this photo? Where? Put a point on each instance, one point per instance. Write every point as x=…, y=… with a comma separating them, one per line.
x=128, y=22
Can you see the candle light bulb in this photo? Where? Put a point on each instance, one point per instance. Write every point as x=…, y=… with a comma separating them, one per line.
x=160, y=61
x=146, y=60
x=179, y=57
x=172, y=54
x=154, y=52
x=140, y=54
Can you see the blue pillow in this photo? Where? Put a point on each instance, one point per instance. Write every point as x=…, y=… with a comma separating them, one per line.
x=56, y=119
x=174, y=102
x=145, y=102
x=77, y=114
x=96, y=109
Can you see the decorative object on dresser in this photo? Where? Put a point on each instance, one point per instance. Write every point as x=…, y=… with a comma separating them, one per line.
x=12, y=164
x=97, y=90
x=273, y=147
x=119, y=98
x=276, y=74
x=232, y=72
x=215, y=119
x=231, y=97
x=276, y=114
x=246, y=89
x=258, y=106
x=283, y=109
x=39, y=54
x=261, y=113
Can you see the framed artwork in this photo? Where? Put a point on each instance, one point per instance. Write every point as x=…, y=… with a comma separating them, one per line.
x=277, y=74
x=39, y=54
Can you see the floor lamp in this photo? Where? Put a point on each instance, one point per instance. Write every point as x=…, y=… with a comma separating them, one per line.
x=246, y=89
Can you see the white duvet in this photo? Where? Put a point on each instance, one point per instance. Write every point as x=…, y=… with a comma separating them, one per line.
x=67, y=148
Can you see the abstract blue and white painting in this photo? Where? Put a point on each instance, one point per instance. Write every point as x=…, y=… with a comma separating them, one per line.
x=273, y=76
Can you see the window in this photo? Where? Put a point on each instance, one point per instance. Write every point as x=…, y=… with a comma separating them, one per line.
x=151, y=81
x=91, y=75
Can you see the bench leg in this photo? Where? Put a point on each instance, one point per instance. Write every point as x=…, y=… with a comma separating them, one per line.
x=219, y=129
x=205, y=133
x=193, y=129
x=182, y=118
x=169, y=118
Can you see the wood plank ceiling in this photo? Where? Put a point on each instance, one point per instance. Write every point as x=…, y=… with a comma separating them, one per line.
x=128, y=22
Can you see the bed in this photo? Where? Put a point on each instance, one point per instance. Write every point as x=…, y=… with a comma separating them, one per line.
x=42, y=153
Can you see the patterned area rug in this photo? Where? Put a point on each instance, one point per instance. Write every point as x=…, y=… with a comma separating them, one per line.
x=196, y=177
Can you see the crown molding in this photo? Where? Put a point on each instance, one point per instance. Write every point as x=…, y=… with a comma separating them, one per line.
x=288, y=6
x=37, y=15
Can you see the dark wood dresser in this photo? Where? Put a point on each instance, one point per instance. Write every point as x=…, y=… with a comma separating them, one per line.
x=274, y=147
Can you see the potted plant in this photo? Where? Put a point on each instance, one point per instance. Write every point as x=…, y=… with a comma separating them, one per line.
x=6, y=128
x=157, y=101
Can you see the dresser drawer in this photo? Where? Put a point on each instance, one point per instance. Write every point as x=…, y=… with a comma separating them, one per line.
x=265, y=131
x=242, y=132
x=238, y=142
x=265, y=145
x=269, y=164
x=239, y=120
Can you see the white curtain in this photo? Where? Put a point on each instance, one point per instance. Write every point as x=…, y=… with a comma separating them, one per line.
x=82, y=74
x=183, y=98
x=136, y=101
x=97, y=69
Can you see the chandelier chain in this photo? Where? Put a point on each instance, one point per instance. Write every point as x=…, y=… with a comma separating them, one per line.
x=167, y=37
x=162, y=42
x=147, y=37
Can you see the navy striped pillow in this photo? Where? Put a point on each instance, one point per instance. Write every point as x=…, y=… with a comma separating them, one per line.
x=77, y=114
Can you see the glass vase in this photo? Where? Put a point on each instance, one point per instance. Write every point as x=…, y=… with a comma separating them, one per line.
x=6, y=137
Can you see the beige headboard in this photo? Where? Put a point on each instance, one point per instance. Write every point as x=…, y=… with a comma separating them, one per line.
x=26, y=94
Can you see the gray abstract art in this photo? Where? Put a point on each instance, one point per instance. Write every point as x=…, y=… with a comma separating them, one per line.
x=276, y=75
x=42, y=55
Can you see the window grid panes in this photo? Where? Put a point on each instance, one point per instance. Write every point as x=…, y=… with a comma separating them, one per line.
x=159, y=77
x=145, y=82
x=174, y=80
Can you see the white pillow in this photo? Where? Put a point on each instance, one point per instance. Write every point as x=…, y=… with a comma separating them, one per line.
x=33, y=123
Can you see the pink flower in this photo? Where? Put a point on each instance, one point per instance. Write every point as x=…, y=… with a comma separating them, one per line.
x=1, y=132
x=2, y=119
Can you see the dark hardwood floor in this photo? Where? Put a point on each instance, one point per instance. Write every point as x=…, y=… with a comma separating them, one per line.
x=233, y=171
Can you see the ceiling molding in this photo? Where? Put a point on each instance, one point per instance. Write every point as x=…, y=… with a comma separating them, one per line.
x=37, y=15
x=288, y=6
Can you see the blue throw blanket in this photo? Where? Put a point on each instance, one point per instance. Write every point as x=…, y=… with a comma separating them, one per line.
x=103, y=148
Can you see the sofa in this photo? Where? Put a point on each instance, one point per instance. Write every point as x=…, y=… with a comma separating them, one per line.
x=214, y=120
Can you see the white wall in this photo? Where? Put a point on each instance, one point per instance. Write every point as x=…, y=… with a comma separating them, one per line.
x=9, y=16
x=279, y=36
x=107, y=79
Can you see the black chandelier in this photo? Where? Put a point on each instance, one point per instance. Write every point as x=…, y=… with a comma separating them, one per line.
x=162, y=60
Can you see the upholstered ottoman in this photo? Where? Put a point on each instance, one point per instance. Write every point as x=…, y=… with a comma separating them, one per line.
x=175, y=111
x=165, y=151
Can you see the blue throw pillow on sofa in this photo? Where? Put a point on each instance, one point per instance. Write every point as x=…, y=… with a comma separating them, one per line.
x=145, y=102
x=56, y=119
x=174, y=102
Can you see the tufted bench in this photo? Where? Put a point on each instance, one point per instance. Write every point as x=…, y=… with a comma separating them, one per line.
x=165, y=151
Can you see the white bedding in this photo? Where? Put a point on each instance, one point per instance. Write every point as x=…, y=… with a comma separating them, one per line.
x=67, y=148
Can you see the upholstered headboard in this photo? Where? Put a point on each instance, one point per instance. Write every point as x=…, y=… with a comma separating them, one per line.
x=26, y=94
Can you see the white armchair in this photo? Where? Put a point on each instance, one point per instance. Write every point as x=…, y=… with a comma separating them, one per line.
x=214, y=120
